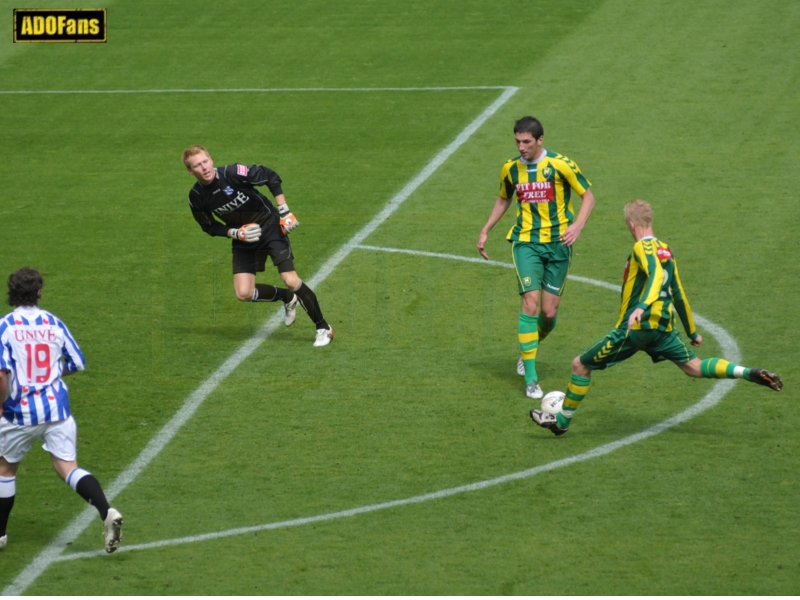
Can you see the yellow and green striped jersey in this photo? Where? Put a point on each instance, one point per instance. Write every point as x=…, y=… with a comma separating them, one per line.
x=651, y=282
x=544, y=196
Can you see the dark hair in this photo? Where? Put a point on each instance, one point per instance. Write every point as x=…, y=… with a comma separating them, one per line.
x=529, y=125
x=24, y=287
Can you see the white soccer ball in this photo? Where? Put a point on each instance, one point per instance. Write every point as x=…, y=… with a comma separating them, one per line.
x=552, y=401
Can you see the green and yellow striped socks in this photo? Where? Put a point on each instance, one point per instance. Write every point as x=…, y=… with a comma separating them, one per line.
x=528, y=333
x=719, y=368
x=578, y=387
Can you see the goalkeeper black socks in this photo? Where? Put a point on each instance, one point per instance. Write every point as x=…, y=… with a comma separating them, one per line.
x=308, y=299
x=269, y=293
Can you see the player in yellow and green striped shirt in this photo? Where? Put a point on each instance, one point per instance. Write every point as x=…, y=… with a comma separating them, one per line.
x=545, y=184
x=651, y=294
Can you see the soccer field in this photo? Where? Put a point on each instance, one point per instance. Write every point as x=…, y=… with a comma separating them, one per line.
x=400, y=460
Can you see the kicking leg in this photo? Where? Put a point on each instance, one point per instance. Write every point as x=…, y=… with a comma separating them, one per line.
x=719, y=368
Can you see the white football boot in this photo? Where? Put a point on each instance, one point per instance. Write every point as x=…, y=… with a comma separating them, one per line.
x=112, y=529
x=520, y=367
x=324, y=336
x=3, y=541
x=534, y=391
x=291, y=310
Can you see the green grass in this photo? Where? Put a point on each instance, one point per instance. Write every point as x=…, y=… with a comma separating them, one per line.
x=690, y=105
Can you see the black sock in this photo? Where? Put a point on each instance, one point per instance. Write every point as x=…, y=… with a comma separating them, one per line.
x=89, y=489
x=308, y=300
x=270, y=293
x=6, y=504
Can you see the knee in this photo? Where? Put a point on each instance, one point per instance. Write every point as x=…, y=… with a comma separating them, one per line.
x=578, y=368
x=549, y=313
x=530, y=306
x=692, y=368
x=292, y=281
x=244, y=295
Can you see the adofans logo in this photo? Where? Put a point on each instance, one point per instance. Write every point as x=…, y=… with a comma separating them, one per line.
x=60, y=25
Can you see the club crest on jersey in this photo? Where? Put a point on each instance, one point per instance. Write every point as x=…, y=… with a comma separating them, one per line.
x=526, y=281
x=548, y=172
x=535, y=192
x=228, y=191
x=242, y=170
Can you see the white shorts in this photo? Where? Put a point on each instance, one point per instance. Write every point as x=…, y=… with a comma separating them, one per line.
x=60, y=439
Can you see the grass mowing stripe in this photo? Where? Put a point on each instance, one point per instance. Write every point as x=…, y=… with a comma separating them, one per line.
x=729, y=349
x=53, y=550
x=260, y=90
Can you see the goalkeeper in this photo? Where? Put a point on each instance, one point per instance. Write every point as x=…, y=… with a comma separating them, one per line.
x=226, y=203
x=651, y=289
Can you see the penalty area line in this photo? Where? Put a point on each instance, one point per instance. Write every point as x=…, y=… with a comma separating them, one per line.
x=54, y=549
x=713, y=397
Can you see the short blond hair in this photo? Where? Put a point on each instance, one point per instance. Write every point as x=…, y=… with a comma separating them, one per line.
x=192, y=151
x=639, y=213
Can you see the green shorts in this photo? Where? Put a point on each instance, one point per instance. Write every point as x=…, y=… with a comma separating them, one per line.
x=619, y=344
x=541, y=266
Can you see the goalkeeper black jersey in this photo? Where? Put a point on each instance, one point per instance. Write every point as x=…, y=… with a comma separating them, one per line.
x=231, y=199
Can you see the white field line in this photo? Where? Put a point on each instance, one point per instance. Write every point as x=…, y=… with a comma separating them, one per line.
x=482, y=261
x=729, y=349
x=54, y=549
x=258, y=90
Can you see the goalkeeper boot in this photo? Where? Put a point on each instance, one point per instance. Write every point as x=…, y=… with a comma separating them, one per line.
x=548, y=421
x=767, y=378
x=112, y=529
x=520, y=367
x=291, y=310
x=324, y=336
x=534, y=391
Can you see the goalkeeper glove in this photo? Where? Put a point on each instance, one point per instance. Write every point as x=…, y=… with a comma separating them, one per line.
x=288, y=221
x=247, y=233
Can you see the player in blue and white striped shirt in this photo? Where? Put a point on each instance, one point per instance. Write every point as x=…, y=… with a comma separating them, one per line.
x=36, y=352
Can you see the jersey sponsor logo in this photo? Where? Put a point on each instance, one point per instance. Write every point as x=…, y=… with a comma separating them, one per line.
x=664, y=254
x=22, y=335
x=535, y=192
x=242, y=170
x=228, y=191
x=233, y=204
x=32, y=25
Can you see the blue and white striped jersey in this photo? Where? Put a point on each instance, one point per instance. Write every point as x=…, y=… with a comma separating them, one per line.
x=33, y=342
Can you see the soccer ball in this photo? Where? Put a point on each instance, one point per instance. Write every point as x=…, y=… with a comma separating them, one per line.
x=551, y=403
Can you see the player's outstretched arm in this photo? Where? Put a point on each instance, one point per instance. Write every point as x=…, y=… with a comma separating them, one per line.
x=500, y=207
